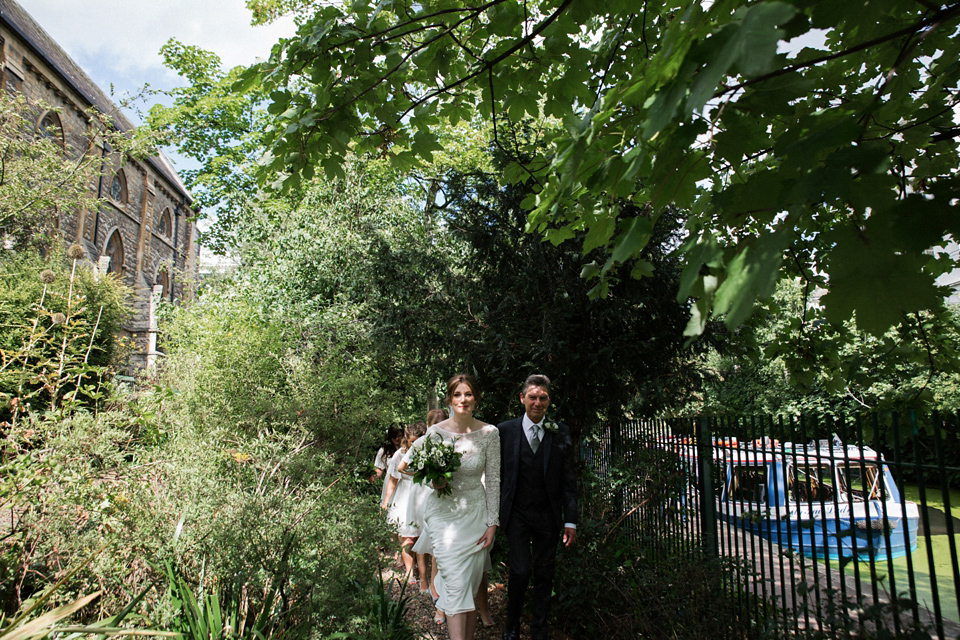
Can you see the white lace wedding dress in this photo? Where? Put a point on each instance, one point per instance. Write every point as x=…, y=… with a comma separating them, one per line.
x=455, y=523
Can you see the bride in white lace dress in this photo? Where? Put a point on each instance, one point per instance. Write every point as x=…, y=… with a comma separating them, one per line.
x=462, y=525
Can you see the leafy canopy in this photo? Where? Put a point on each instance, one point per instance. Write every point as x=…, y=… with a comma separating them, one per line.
x=481, y=295
x=219, y=129
x=807, y=137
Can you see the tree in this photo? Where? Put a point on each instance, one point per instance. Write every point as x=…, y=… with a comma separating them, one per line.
x=914, y=366
x=218, y=128
x=309, y=269
x=488, y=298
x=802, y=137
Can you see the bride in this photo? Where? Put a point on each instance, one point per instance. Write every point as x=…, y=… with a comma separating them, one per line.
x=462, y=525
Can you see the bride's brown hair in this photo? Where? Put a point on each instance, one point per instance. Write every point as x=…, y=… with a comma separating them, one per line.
x=466, y=379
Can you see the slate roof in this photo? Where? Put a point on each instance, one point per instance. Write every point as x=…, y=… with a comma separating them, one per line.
x=32, y=34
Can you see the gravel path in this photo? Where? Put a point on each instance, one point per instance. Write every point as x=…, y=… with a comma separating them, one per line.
x=420, y=613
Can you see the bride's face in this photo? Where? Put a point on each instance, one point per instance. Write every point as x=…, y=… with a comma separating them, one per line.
x=462, y=399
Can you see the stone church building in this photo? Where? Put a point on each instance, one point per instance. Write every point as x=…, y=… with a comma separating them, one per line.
x=143, y=231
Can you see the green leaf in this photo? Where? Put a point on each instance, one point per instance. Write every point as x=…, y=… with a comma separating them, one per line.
x=750, y=276
x=759, y=33
x=633, y=240
x=333, y=167
x=590, y=270
x=873, y=283
x=679, y=185
x=599, y=232
x=759, y=196
x=705, y=252
x=247, y=81
x=642, y=269
x=664, y=108
x=557, y=236
x=718, y=52
x=700, y=311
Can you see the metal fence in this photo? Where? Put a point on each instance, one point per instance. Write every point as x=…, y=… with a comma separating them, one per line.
x=843, y=525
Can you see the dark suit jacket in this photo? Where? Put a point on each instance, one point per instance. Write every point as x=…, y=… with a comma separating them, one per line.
x=558, y=471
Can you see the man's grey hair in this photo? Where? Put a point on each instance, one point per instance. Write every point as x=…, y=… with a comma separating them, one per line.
x=536, y=380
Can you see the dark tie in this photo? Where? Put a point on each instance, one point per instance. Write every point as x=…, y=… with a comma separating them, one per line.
x=535, y=439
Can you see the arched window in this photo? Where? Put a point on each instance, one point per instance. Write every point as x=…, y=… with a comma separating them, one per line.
x=50, y=127
x=118, y=188
x=114, y=251
x=163, y=278
x=165, y=225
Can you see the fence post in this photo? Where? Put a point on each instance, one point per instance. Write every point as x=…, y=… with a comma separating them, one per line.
x=708, y=502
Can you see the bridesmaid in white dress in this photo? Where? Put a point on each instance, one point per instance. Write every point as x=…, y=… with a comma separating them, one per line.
x=399, y=493
x=462, y=525
x=391, y=443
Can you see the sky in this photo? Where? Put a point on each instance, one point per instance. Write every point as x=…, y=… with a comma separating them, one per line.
x=117, y=42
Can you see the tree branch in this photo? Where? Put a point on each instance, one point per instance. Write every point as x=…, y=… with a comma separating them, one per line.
x=949, y=134
x=419, y=19
x=613, y=52
x=495, y=61
x=941, y=16
x=414, y=102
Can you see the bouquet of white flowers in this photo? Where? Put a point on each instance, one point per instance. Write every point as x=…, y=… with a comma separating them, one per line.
x=434, y=462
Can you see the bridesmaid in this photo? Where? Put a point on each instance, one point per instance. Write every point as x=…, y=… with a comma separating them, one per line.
x=397, y=497
x=418, y=494
x=380, y=461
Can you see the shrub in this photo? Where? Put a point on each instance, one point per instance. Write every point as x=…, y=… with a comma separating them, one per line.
x=236, y=512
x=239, y=368
x=59, y=332
x=234, y=462
x=621, y=581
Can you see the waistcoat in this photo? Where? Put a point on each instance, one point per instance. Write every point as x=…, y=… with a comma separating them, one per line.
x=531, y=487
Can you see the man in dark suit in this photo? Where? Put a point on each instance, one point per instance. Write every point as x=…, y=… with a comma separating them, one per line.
x=538, y=503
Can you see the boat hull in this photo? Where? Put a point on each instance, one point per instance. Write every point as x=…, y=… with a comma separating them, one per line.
x=832, y=531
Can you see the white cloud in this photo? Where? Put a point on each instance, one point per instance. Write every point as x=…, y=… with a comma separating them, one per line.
x=118, y=41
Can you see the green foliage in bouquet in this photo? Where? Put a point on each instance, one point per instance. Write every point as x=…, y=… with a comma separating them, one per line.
x=435, y=462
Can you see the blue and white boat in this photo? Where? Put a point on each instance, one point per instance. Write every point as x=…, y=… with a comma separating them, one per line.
x=824, y=499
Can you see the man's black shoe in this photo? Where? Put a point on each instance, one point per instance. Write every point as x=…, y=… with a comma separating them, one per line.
x=511, y=634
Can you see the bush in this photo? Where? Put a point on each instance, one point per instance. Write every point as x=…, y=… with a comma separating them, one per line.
x=270, y=420
x=235, y=463
x=239, y=368
x=59, y=333
x=624, y=581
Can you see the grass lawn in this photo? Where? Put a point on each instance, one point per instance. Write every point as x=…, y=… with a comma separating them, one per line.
x=942, y=566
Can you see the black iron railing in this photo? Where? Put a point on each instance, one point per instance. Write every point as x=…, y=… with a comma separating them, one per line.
x=829, y=523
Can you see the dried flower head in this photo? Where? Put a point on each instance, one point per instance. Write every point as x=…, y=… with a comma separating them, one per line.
x=59, y=318
x=75, y=252
x=48, y=276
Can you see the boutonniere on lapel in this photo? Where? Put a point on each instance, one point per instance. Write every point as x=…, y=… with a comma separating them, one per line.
x=551, y=427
